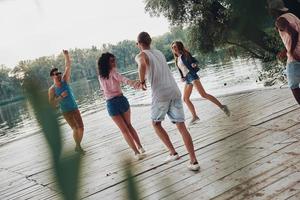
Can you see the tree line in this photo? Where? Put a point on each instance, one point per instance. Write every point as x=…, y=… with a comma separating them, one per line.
x=84, y=63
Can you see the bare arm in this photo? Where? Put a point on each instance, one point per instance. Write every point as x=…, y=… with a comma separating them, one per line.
x=143, y=61
x=67, y=74
x=123, y=79
x=53, y=100
x=283, y=25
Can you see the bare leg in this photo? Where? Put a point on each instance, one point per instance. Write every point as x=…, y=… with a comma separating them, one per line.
x=186, y=98
x=187, y=139
x=78, y=135
x=132, y=131
x=75, y=121
x=162, y=134
x=203, y=93
x=296, y=93
x=120, y=122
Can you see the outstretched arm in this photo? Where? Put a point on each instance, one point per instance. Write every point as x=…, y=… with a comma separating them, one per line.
x=67, y=73
x=123, y=79
x=142, y=61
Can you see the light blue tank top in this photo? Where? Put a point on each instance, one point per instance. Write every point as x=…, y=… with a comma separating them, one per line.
x=68, y=103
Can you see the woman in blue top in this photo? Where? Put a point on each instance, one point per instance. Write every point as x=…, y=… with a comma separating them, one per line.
x=188, y=67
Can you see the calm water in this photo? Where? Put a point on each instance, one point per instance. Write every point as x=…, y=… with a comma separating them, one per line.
x=16, y=119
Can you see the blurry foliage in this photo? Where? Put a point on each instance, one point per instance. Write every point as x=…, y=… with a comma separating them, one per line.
x=67, y=166
x=131, y=191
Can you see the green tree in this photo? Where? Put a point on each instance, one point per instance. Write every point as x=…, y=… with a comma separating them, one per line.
x=218, y=23
x=10, y=87
x=237, y=26
x=125, y=52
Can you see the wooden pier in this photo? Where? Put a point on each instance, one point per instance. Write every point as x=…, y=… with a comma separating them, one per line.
x=254, y=154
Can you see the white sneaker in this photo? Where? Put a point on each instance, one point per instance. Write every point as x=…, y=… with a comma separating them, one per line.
x=226, y=110
x=139, y=156
x=171, y=158
x=193, y=167
x=142, y=150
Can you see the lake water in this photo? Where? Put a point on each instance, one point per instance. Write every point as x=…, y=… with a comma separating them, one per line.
x=16, y=119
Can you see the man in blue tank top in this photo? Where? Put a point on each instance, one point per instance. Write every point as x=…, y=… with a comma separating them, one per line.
x=61, y=93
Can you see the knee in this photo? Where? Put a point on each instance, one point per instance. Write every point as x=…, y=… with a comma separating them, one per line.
x=204, y=95
x=186, y=99
x=79, y=129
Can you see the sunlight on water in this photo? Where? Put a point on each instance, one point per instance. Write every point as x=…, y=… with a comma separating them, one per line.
x=237, y=75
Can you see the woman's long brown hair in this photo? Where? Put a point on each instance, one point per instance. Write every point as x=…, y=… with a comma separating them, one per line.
x=182, y=50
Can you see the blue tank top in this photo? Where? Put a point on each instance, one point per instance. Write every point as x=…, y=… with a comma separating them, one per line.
x=68, y=103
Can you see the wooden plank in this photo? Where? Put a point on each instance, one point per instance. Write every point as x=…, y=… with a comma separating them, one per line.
x=233, y=180
x=251, y=186
x=294, y=196
x=193, y=184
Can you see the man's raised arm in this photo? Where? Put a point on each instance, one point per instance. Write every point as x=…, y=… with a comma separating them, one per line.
x=67, y=73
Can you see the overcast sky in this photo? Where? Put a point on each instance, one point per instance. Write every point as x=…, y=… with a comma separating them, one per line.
x=34, y=28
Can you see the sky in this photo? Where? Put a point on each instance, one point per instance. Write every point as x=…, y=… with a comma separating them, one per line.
x=35, y=28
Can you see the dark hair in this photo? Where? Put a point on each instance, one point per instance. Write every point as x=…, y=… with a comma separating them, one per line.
x=104, y=65
x=144, y=38
x=53, y=70
x=182, y=50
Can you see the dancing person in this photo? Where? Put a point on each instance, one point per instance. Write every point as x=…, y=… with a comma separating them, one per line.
x=61, y=93
x=188, y=67
x=166, y=97
x=117, y=104
x=288, y=26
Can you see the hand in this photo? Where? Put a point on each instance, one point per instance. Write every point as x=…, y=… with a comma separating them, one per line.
x=282, y=55
x=65, y=52
x=194, y=65
x=64, y=94
x=136, y=84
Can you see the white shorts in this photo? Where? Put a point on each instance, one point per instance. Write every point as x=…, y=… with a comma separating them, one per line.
x=172, y=108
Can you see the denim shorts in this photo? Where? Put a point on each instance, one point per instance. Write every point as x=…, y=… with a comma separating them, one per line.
x=190, y=77
x=293, y=74
x=117, y=105
x=172, y=108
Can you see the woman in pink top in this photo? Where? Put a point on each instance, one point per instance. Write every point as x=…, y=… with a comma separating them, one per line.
x=117, y=104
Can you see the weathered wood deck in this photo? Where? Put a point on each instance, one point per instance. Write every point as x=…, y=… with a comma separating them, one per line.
x=255, y=154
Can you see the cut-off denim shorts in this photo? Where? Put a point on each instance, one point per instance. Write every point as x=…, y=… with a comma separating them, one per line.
x=190, y=77
x=117, y=105
x=293, y=74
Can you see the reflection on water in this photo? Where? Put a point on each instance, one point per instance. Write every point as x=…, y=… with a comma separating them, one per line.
x=233, y=76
